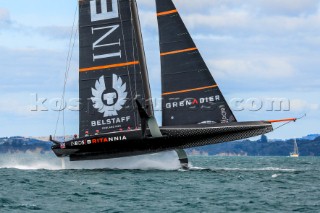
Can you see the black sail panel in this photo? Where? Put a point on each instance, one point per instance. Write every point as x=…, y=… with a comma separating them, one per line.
x=110, y=74
x=190, y=94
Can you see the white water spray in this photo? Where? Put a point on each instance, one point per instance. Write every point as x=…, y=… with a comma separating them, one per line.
x=30, y=160
x=37, y=160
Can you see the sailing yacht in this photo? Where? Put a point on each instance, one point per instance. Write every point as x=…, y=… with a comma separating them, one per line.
x=295, y=152
x=116, y=112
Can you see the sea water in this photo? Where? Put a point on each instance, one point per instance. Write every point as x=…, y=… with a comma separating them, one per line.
x=154, y=183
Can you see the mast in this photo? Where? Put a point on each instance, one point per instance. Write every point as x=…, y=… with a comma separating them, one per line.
x=142, y=58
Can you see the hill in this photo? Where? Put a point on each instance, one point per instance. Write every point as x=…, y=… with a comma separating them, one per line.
x=262, y=147
x=21, y=144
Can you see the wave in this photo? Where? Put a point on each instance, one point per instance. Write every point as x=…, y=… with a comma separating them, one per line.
x=36, y=160
x=254, y=169
x=167, y=161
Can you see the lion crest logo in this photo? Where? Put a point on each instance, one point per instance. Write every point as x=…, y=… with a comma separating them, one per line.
x=109, y=101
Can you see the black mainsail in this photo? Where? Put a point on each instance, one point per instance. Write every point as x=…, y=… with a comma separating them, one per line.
x=190, y=94
x=114, y=82
x=110, y=67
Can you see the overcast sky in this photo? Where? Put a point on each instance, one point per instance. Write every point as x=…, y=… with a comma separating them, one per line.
x=257, y=50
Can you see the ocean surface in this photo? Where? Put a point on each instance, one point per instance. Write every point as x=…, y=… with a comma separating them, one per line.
x=36, y=182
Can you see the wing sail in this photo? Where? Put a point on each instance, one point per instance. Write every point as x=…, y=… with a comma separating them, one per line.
x=110, y=72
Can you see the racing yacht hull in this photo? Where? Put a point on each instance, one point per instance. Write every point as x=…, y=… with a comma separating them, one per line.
x=131, y=143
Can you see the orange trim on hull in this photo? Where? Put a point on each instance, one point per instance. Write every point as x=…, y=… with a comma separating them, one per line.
x=282, y=120
x=189, y=90
x=167, y=12
x=109, y=66
x=178, y=51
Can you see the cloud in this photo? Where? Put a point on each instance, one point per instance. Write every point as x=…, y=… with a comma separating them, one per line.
x=34, y=70
x=298, y=105
x=55, y=32
x=4, y=15
x=266, y=7
x=18, y=118
x=148, y=19
x=146, y=3
x=243, y=22
x=260, y=68
x=16, y=104
x=4, y=18
x=265, y=17
x=221, y=20
x=289, y=7
x=253, y=44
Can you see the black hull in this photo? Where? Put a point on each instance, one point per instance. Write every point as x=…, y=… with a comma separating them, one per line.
x=131, y=143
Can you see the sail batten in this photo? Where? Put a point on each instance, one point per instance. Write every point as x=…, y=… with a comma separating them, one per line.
x=178, y=51
x=190, y=93
x=167, y=12
x=109, y=66
x=189, y=90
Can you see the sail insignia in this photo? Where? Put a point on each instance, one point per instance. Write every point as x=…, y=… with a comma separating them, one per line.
x=109, y=103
